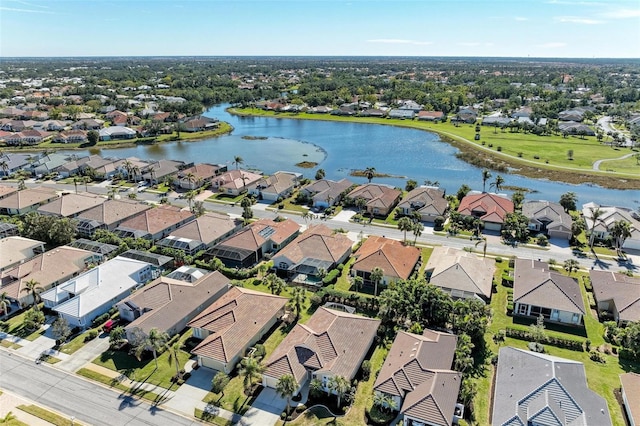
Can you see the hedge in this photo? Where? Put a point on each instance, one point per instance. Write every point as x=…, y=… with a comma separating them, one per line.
x=331, y=277
x=574, y=345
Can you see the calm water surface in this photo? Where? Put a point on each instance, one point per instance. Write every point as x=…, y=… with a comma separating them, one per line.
x=341, y=147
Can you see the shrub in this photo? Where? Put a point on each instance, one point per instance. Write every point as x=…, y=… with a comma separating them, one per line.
x=331, y=277
x=260, y=351
x=366, y=370
x=536, y=157
x=498, y=259
x=520, y=154
x=92, y=334
x=340, y=267
x=597, y=357
x=499, y=148
x=98, y=321
x=300, y=408
x=574, y=345
x=316, y=300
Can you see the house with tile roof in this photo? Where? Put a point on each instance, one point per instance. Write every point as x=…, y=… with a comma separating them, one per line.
x=429, y=202
x=202, y=233
x=331, y=343
x=108, y=215
x=168, y=304
x=5, y=191
x=461, y=274
x=538, y=389
x=81, y=299
x=317, y=248
x=397, y=261
x=234, y=182
x=198, y=175
x=159, y=170
x=48, y=269
x=277, y=186
x=232, y=324
x=26, y=200
x=492, y=209
x=630, y=390
x=15, y=250
x=548, y=218
x=154, y=224
x=325, y=192
x=248, y=246
x=380, y=199
x=14, y=162
x=539, y=291
x=417, y=376
x=430, y=115
x=71, y=205
x=603, y=226
x=617, y=294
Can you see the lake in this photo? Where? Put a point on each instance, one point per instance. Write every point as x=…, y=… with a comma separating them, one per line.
x=339, y=147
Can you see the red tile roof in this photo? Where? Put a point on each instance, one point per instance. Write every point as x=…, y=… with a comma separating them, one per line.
x=395, y=259
x=488, y=207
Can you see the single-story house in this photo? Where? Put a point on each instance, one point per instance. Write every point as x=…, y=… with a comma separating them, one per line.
x=71, y=136
x=538, y=291
x=159, y=263
x=71, y=205
x=83, y=298
x=461, y=274
x=397, y=261
x=325, y=192
x=198, y=175
x=331, y=343
x=108, y=215
x=617, y=294
x=317, y=248
x=154, y=224
x=5, y=191
x=275, y=187
x=492, y=209
x=428, y=201
x=15, y=250
x=234, y=182
x=430, y=115
x=200, y=123
x=380, y=199
x=247, y=247
x=88, y=124
x=548, y=218
x=116, y=133
x=8, y=230
x=160, y=170
x=48, y=163
x=27, y=200
x=168, y=304
x=14, y=162
x=602, y=228
x=538, y=389
x=417, y=376
x=630, y=390
x=232, y=324
x=402, y=114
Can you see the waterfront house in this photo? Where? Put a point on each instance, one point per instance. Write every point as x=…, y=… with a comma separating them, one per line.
x=160, y=170
x=492, y=209
x=276, y=187
x=234, y=182
x=430, y=115
x=198, y=175
x=548, y=218
x=429, y=202
x=202, y=233
x=608, y=216
x=325, y=192
x=380, y=199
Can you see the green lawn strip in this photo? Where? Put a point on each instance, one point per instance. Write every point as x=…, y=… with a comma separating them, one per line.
x=113, y=383
x=46, y=415
x=344, y=281
x=289, y=205
x=226, y=198
x=76, y=343
x=233, y=399
x=16, y=327
x=255, y=284
x=425, y=254
x=211, y=418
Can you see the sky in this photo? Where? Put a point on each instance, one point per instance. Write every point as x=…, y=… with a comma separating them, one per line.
x=497, y=28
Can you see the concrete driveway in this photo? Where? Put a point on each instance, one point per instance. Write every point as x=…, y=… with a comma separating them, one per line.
x=265, y=410
x=85, y=354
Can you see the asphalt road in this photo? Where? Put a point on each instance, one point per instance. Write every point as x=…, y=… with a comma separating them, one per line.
x=88, y=402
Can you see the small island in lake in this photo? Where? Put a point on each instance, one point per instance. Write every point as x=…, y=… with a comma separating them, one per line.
x=307, y=164
x=254, y=138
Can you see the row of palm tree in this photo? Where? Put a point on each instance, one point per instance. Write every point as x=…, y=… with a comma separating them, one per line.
x=497, y=184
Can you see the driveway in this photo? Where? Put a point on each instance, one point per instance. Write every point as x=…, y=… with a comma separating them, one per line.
x=265, y=410
x=344, y=216
x=85, y=354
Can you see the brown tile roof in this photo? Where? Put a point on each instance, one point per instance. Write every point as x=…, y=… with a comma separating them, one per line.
x=251, y=237
x=234, y=320
x=623, y=290
x=27, y=197
x=71, y=204
x=157, y=219
x=54, y=266
x=207, y=228
x=16, y=249
x=488, y=207
x=233, y=179
x=112, y=211
x=167, y=301
x=331, y=341
x=535, y=285
x=381, y=196
x=435, y=399
x=631, y=385
x=395, y=259
x=200, y=171
x=457, y=269
x=7, y=190
x=317, y=242
x=428, y=200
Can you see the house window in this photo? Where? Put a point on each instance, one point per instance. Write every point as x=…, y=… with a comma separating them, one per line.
x=283, y=265
x=576, y=318
x=522, y=309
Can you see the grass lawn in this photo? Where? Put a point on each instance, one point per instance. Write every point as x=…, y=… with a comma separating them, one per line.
x=220, y=196
x=289, y=205
x=76, y=343
x=108, y=381
x=233, y=398
x=211, y=418
x=307, y=310
x=46, y=415
x=16, y=327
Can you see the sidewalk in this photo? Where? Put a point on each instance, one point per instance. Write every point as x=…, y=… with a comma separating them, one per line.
x=10, y=402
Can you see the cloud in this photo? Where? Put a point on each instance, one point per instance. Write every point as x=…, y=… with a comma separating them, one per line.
x=19, y=10
x=521, y=18
x=469, y=43
x=623, y=13
x=552, y=45
x=399, y=41
x=577, y=20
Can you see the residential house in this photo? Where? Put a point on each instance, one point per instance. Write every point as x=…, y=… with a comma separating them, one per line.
x=154, y=224
x=275, y=187
x=169, y=304
x=410, y=105
x=159, y=263
x=5, y=191
x=325, y=192
x=26, y=137
x=232, y=324
x=430, y=115
x=27, y=200
x=537, y=389
x=49, y=163
x=13, y=162
x=116, y=133
x=108, y=215
x=575, y=128
x=466, y=115
x=88, y=124
x=47, y=269
x=571, y=115
x=417, y=376
x=496, y=120
x=372, y=112
x=609, y=215
x=492, y=209
x=397, y=261
x=71, y=136
x=380, y=199
x=202, y=233
x=83, y=298
x=103, y=249
x=198, y=175
x=630, y=390
x=428, y=201
x=402, y=114
x=461, y=274
x=316, y=249
x=331, y=343
x=15, y=250
x=160, y=170
x=548, y=218
x=617, y=294
x=249, y=245
x=199, y=124
x=108, y=169
x=234, y=182
x=538, y=291
x=71, y=205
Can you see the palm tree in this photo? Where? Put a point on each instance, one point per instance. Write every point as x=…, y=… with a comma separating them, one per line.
x=360, y=203
x=376, y=276
x=76, y=180
x=298, y=298
x=484, y=248
x=357, y=282
x=5, y=303
x=86, y=180
x=127, y=166
x=497, y=183
x=370, y=173
x=486, y=175
x=174, y=351
x=620, y=231
x=274, y=283
x=286, y=387
x=33, y=287
x=250, y=369
x=417, y=231
x=190, y=178
x=594, y=216
x=4, y=166
x=571, y=265
x=340, y=386
x=113, y=191
x=315, y=387
x=190, y=196
x=8, y=418
x=237, y=160
x=405, y=224
x=154, y=341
